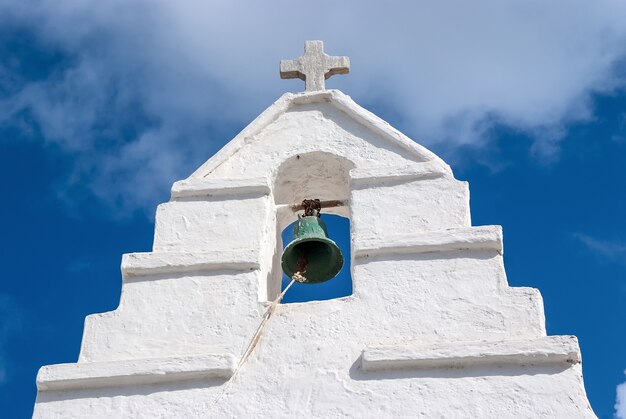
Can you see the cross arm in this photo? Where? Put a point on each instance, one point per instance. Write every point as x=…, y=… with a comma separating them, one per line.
x=291, y=69
x=336, y=65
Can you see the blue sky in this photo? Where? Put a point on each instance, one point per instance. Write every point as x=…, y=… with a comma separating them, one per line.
x=103, y=105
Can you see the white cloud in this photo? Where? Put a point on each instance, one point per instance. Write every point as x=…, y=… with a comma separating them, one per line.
x=446, y=70
x=607, y=249
x=620, y=401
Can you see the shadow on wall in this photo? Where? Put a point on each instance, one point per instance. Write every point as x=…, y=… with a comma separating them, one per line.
x=339, y=286
x=126, y=390
x=494, y=370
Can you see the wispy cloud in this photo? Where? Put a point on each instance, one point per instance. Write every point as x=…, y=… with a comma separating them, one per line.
x=620, y=401
x=614, y=251
x=139, y=92
x=619, y=136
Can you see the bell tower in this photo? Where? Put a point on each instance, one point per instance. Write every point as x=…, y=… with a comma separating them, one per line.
x=432, y=328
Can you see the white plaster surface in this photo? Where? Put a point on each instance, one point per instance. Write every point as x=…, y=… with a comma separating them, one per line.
x=136, y=371
x=351, y=130
x=377, y=175
x=209, y=187
x=466, y=238
x=546, y=350
x=144, y=265
x=213, y=311
x=212, y=224
x=431, y=311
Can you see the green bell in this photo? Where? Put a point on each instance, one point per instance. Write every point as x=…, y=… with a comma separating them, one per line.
x=311, y=252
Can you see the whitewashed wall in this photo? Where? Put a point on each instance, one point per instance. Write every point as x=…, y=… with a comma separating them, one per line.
x=432, y=328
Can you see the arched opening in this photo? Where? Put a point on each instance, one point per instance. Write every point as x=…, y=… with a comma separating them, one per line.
x=318, y=174
x=315, y=175
x=339, y=286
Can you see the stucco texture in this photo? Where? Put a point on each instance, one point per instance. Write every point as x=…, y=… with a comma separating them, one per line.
x=428, y=288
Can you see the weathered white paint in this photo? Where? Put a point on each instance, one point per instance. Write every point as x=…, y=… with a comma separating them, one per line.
x=432, y=328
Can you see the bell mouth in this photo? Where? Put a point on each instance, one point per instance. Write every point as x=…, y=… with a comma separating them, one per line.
x=323, y=257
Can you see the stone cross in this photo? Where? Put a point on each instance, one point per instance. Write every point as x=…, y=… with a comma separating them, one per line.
x=314, y=66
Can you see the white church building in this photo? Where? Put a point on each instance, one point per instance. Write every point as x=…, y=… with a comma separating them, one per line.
x=431, y=329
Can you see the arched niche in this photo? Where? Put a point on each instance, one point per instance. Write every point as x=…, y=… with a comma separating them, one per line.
x=318, y=174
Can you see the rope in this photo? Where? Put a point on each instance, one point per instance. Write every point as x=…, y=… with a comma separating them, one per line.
x=259, y=330
x=257, y=335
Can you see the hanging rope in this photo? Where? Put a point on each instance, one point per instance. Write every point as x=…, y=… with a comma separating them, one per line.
x=297, y=277
x=259, y=330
